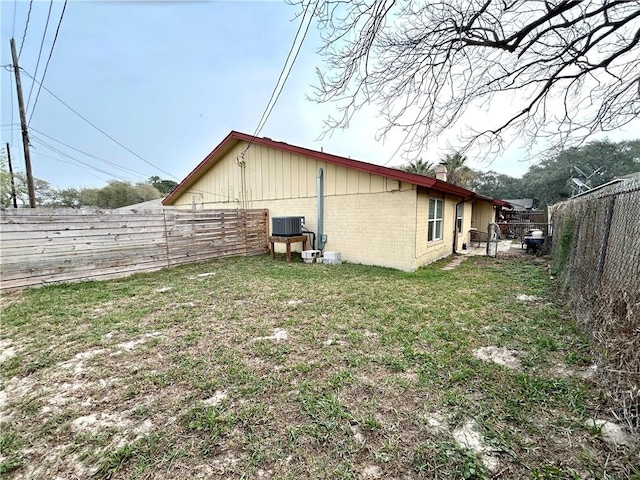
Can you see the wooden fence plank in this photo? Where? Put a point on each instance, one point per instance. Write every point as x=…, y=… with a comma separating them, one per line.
x=45, y=223
x=79, y=275
x=105, y=259
x=13, y=249
x=86, y=233
x=43, y=246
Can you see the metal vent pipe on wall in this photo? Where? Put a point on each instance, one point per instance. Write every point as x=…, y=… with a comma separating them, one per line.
x=320, y=193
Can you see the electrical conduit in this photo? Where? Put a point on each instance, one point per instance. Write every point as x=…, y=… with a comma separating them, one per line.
x=320, y=194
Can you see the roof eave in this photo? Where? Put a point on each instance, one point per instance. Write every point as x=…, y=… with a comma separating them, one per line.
x=402, y=176
x=198, y=171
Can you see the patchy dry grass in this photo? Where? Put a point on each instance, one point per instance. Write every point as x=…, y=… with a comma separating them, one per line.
x=249, y=368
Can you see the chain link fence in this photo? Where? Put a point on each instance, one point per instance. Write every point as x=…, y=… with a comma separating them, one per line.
x=596, y=246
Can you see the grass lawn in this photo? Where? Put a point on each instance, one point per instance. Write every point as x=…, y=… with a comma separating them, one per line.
x=251, y=368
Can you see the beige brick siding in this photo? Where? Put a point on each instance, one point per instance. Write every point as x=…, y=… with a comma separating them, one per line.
x=427, y=252
x=369, y=219
x=373, y=229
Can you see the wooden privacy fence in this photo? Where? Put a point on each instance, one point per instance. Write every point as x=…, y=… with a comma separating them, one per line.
x=43, y=246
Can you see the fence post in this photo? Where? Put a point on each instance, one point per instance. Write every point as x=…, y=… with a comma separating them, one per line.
x=244, y=231
x=602, y=256
x=166, y=237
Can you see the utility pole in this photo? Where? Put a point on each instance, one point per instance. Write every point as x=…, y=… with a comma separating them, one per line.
x=23, y=123
x=13, y=183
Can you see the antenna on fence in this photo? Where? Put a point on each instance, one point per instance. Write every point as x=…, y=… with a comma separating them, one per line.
x=581, y=185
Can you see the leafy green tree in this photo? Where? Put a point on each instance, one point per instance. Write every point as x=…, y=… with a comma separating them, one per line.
x=496, y=185
x=118, y=194
x=5, y=182
x=457, y=172
x=420, y=167
x=67, y=197
x=44, y=193
x=114, y=195
x=88, y=197
x=164, y=186
x=550, y=181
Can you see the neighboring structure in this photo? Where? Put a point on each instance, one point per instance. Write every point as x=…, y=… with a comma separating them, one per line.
x=521, y=204
x=371, y=214
x=520, y=210
x=148, y=206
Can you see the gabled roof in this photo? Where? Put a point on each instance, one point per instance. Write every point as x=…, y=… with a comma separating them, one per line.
x=234, y=138
x=149, y=205
x=521, y=203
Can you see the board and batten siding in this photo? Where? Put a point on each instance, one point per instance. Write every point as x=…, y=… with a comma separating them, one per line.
x=273, y=174
x=483, y=214
x=42, y=246
x=369, y=219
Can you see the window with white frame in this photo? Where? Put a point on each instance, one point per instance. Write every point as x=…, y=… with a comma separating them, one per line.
x=434, y=227
x=459, y=210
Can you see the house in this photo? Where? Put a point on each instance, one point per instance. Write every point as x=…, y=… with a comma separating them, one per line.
x=521, y=210
x=370, y=214
x=148, y=206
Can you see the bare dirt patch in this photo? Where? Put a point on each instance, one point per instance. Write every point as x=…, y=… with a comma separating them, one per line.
x=528, y=298
x=279, y=334
x=611, y=433
x=7, y=350
x=131, y=344
x=224, y=378
x=217, y=398
x=83, y=395
x=499, y=355
x=468, y=437
x=371, y=472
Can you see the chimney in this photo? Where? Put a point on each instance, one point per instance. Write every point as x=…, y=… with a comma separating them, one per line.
x=441, y=172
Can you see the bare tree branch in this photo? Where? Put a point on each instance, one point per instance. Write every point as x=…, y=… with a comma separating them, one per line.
x=568, y=68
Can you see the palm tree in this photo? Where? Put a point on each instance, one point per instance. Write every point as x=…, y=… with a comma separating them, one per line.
x=457, y=172
x=420, y=167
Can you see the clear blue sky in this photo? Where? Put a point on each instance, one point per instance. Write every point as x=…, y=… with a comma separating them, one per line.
x=169, y=80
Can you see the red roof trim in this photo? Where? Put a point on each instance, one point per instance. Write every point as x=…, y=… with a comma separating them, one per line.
x=392, y=173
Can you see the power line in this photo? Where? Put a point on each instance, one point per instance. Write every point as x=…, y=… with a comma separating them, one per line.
x=286, y=62
x=44, y=74
x=88, y=170
x=98, y=128
x=39, y=140
x=23, y=124
x=26, y=27
x=107, y=162
x=35, y=74
x=92, y=167
x=277, y=91
x=13, y=34
x=13, y=30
